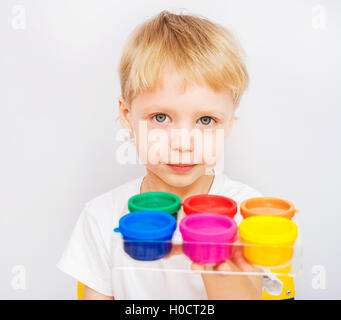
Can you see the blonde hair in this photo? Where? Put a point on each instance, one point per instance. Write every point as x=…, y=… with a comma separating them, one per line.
x=199, y=49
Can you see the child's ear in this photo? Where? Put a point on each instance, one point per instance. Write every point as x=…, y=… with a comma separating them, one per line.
x=124, y=113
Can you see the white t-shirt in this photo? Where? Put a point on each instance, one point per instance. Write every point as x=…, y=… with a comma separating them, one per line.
x=93, y=258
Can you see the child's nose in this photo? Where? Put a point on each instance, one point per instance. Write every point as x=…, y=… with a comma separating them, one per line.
x=181, y=140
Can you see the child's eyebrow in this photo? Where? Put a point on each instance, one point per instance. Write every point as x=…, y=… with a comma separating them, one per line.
x=210, y=112
x=158, y=108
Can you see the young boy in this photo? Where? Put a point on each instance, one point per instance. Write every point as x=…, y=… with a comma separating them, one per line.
x=179, y=73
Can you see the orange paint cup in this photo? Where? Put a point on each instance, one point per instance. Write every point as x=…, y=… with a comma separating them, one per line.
x=267, y=206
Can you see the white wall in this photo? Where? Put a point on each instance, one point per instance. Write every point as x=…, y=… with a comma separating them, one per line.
x=58, y=98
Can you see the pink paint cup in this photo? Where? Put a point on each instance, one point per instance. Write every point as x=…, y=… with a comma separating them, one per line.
x=208, y=237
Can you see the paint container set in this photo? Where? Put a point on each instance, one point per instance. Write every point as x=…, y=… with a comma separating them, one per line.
x=266, y=236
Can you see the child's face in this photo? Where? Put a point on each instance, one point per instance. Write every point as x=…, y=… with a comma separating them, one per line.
x=176, y=127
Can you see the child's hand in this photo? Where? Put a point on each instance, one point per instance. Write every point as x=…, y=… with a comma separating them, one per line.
x=237, y=258
x=228, y=286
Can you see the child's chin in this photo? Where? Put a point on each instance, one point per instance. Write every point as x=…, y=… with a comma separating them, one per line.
x=179, y=181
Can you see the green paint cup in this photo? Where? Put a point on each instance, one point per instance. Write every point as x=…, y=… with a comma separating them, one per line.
x=157, y=201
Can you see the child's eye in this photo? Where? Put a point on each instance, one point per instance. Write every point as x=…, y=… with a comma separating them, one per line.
x=161, y=117
x=206, y=120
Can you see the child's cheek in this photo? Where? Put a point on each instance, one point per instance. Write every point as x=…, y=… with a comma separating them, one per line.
x=213, y=145
x=153, y=144
x=158, y=146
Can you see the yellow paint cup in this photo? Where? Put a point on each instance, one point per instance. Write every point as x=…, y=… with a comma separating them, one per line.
x=268, y=240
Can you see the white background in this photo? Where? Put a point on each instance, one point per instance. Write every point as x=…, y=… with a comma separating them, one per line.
x=58, y=97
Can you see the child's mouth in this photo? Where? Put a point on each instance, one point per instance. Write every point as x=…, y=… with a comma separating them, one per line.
x=181, y=167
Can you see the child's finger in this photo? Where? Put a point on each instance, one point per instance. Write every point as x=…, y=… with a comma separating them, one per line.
x=223, y=267
x=197, y=266
x=176, y=249
x=239, y=260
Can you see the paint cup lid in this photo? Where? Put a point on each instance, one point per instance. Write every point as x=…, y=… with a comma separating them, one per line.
x=261, y=206
x=158, y=201
x=208, y=227
x=147, y=225
x=270, y=230
x=210, y=203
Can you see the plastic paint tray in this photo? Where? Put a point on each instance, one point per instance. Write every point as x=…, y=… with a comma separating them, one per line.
x=122, y=261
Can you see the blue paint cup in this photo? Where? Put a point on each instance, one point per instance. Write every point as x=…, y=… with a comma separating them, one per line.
x=147, y=235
